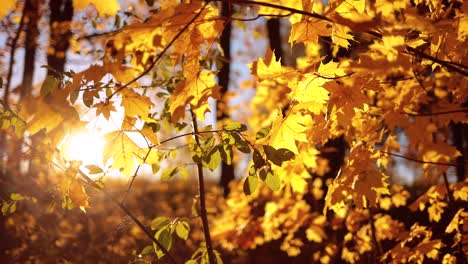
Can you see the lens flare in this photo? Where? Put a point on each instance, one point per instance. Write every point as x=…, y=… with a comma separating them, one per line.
x=84, y=147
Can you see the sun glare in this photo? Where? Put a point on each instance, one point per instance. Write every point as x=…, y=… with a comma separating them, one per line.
x=85, y=147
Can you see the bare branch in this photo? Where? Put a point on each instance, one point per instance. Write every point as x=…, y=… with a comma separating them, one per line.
x=201, y=193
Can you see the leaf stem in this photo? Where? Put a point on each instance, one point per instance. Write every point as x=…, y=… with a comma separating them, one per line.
x=201, y=193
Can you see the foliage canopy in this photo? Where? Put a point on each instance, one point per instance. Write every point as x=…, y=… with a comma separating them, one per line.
x=379, y=82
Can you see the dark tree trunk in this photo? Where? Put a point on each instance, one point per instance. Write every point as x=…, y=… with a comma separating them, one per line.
x=460, y=141
x=227, y=170
x=61, y=14
x=274, y=38
x=30, y=45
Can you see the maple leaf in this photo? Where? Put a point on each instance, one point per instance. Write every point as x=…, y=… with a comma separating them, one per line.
x=136, y=104
x=123, y=151
x=308, y=30
x=194, y=92
x=310, y=94
x=286, y=131
x=389, y=47
x=105, y=109
x=341, y=36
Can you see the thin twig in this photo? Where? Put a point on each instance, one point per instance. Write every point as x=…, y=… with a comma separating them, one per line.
x=463, y=110
x=447, y=188
x=90, y=182
x=153, y=63
x=201, y=193
x=134, y=176
x=280, y=7
x=419, y=161
x=14, y=43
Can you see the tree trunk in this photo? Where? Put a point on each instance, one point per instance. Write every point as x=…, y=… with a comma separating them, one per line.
x=30, y=45
x=227, y=170
x=61, y=14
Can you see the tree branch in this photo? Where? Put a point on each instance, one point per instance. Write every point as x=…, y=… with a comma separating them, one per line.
x=419, y=161
x=14, y=43
x=90, y=182
x=153, y=63
x=201, y=193
x=463, y=110
x=447, y=64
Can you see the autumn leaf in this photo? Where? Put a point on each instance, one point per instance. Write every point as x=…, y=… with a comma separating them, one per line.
x=136, y=104
x=194, y=92
x=122, y=150
x=78, y=195
x=105, y=109
x=309, y=30
x=286, y=131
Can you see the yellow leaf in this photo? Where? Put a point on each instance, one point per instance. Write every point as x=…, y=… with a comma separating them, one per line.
x=315, y=233
x=389, y=46
x=341, y=36
x=45, y=117
x=309, y=30
x=123, y=151
x=78, y=195
x=136, y=104
x=285, y=132
x=194, y=92
x=310, y=94
x=298, y=184
x=148, y=133
x=6, y=6
x=107, y=7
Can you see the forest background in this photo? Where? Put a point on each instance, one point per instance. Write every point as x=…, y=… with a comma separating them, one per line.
x=338, y=131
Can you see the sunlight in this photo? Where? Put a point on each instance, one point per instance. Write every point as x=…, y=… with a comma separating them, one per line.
x=85, y=147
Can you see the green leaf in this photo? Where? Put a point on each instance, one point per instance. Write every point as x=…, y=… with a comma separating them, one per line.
x=191, y=261
x=235, y=126
x=93, y=169
x=258, y=160
x=262, y=133
x=147, y=250
x=213, y=160
x=263, y=172
x=5, y=208
x=165, y=238
x=160, y=222
x=226, y=153
x=168, y=174
x=278, y=156
x=17, y=197
x=12, y=207
x=241, y=144
x=49, y=85
x=182, y=229
x=273, y=181
x=250, y=184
